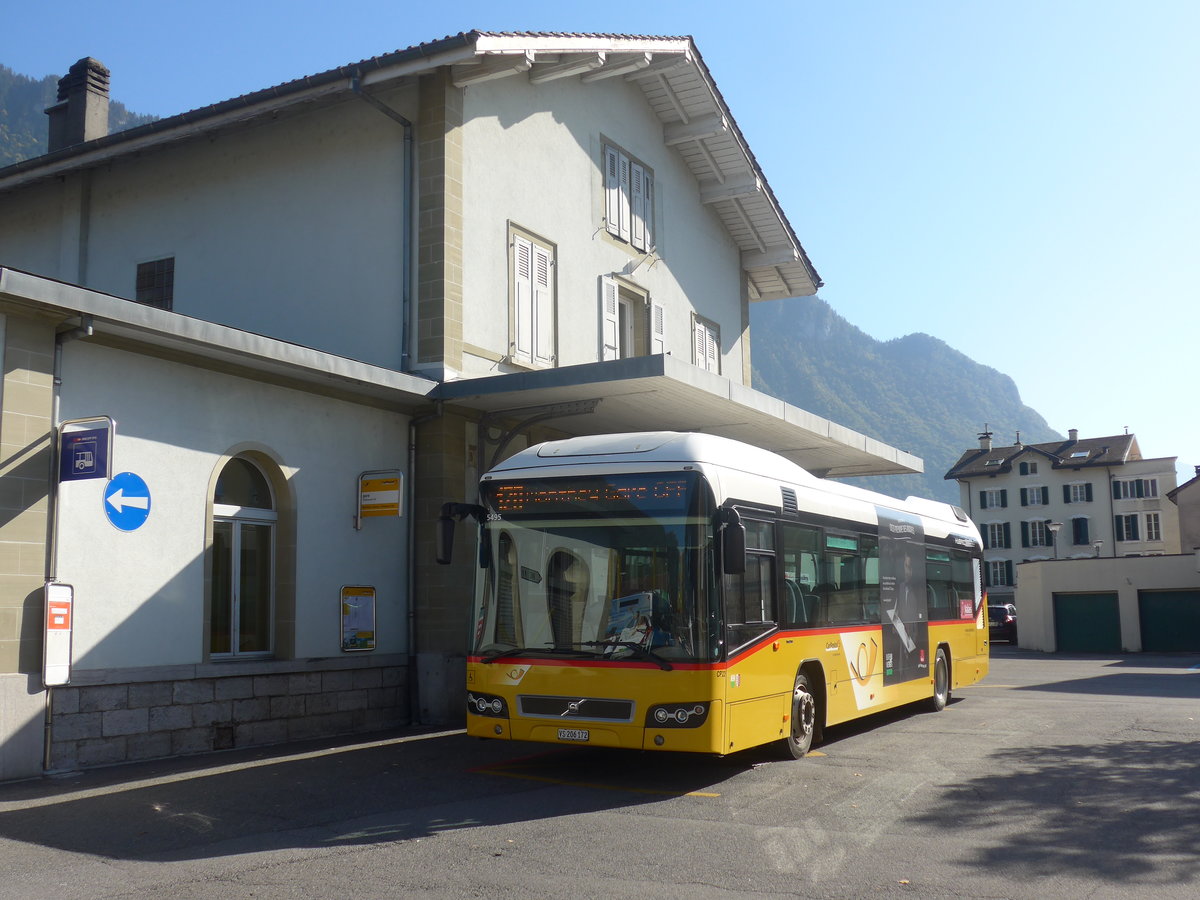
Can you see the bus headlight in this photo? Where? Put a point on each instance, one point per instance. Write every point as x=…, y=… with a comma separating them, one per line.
x=486, y=705
x=677, y=715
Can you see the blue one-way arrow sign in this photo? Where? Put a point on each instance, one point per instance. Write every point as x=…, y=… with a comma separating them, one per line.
x=127, y=501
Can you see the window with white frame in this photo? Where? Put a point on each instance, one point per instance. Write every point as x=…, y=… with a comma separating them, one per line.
x=1153, y=527
x=993, y=499
x=1039, y=533
x=1035, y=496
x=628, y=198
x=1077, y=493
x=631, y=324
x=706, y=344
x=1135, y=488
x=531, y=291
x=999, y=572
x=1126, y=527
x=1028, y=468
x=997, y=534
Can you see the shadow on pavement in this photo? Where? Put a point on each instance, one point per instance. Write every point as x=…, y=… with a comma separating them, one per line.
x=402, y=789
x=1113, y=811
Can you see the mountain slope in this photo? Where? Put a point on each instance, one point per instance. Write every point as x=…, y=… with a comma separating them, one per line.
x=915, y=392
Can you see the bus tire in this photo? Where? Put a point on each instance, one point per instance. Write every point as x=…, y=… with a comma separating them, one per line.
x=803, y=719
x=941, y=682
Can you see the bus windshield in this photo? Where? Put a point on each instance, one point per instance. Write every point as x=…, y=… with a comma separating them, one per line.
x=614, y=567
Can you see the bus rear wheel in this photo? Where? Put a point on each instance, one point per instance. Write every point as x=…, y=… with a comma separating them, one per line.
x=804, y=718
x=941, y=682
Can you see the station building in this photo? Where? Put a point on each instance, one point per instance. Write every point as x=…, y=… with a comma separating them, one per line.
x=292, y=324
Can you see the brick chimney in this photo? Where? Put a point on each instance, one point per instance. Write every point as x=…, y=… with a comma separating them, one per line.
x=81, y=113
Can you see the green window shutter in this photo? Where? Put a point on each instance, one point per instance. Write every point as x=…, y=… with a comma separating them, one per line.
x=1066, y=493
x=1007, y=535
x=1045, y=496
x=1116, y=486
x=987, y=575
x=1024, y=534
x=983, y=500
x=1119, y=527
x=1008, y=571
x=1088, y=488
x=1024, y=496
x=1049, y=533
x=1004, y=498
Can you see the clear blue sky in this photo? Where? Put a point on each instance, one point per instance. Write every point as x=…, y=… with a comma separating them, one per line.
x=1019, y=179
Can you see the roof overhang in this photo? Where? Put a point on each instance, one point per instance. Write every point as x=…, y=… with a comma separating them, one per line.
x=669, y=70
x=657, y=393
x=121, y=323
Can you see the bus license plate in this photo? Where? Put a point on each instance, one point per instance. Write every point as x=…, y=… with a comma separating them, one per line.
x=573, y=734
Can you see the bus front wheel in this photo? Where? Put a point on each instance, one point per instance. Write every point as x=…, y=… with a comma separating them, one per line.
x=941, y=682
x=804, y=718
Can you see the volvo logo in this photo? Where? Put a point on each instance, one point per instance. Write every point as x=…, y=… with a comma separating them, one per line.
x=573, y=708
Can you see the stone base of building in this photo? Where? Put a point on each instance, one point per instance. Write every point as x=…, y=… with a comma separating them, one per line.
x=115, y=716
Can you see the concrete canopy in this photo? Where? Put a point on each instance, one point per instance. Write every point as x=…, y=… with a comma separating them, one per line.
x=657, y=393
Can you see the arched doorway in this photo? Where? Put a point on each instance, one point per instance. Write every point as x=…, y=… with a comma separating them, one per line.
x=243, y=562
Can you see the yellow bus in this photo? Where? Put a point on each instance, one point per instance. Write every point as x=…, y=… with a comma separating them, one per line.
x=685, y=592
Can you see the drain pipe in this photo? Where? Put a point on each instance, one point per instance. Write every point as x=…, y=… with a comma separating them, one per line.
x=414, y=696
x=406, y=213
x=84, y=329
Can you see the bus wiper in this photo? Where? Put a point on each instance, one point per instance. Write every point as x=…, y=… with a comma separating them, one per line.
x=637, y=649
x=493, y=655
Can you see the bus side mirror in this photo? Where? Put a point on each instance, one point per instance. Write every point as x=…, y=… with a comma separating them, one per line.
x=445, y=539
x=445, y=528
x=733, y=542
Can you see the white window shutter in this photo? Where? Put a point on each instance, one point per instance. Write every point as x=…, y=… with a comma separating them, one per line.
x=658, y=329
x=523, y=297
x=609, y=348
x=612, y=191
x=712, y=354
x=623, y=211
x=648, y=209
x=637, y=198
x=543, y=306
x=698, y=342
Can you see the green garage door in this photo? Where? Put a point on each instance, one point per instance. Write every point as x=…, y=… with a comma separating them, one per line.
x=1087, y=623
x=1170, y=620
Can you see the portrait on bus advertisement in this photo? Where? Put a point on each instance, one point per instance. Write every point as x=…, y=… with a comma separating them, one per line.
x=902, y=603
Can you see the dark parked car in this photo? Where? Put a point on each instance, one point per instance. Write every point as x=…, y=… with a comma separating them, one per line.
x=1002, y=622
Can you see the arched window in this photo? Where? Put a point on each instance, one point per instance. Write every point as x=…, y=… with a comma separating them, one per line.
x=243, y=562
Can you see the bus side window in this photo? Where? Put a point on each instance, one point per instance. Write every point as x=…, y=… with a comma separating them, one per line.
x=938, y=585
x=800, y=604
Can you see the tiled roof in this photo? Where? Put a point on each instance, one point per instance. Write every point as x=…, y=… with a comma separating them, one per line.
x=1068, y=454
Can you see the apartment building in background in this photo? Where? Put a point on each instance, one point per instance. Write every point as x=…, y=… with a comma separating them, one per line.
x=1073, y=499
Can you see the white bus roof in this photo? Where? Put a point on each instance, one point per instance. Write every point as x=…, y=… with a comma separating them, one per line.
x=646, y=451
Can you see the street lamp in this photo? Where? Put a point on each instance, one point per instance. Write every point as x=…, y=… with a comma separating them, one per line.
x=1054, y=527
x=1097, y=544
